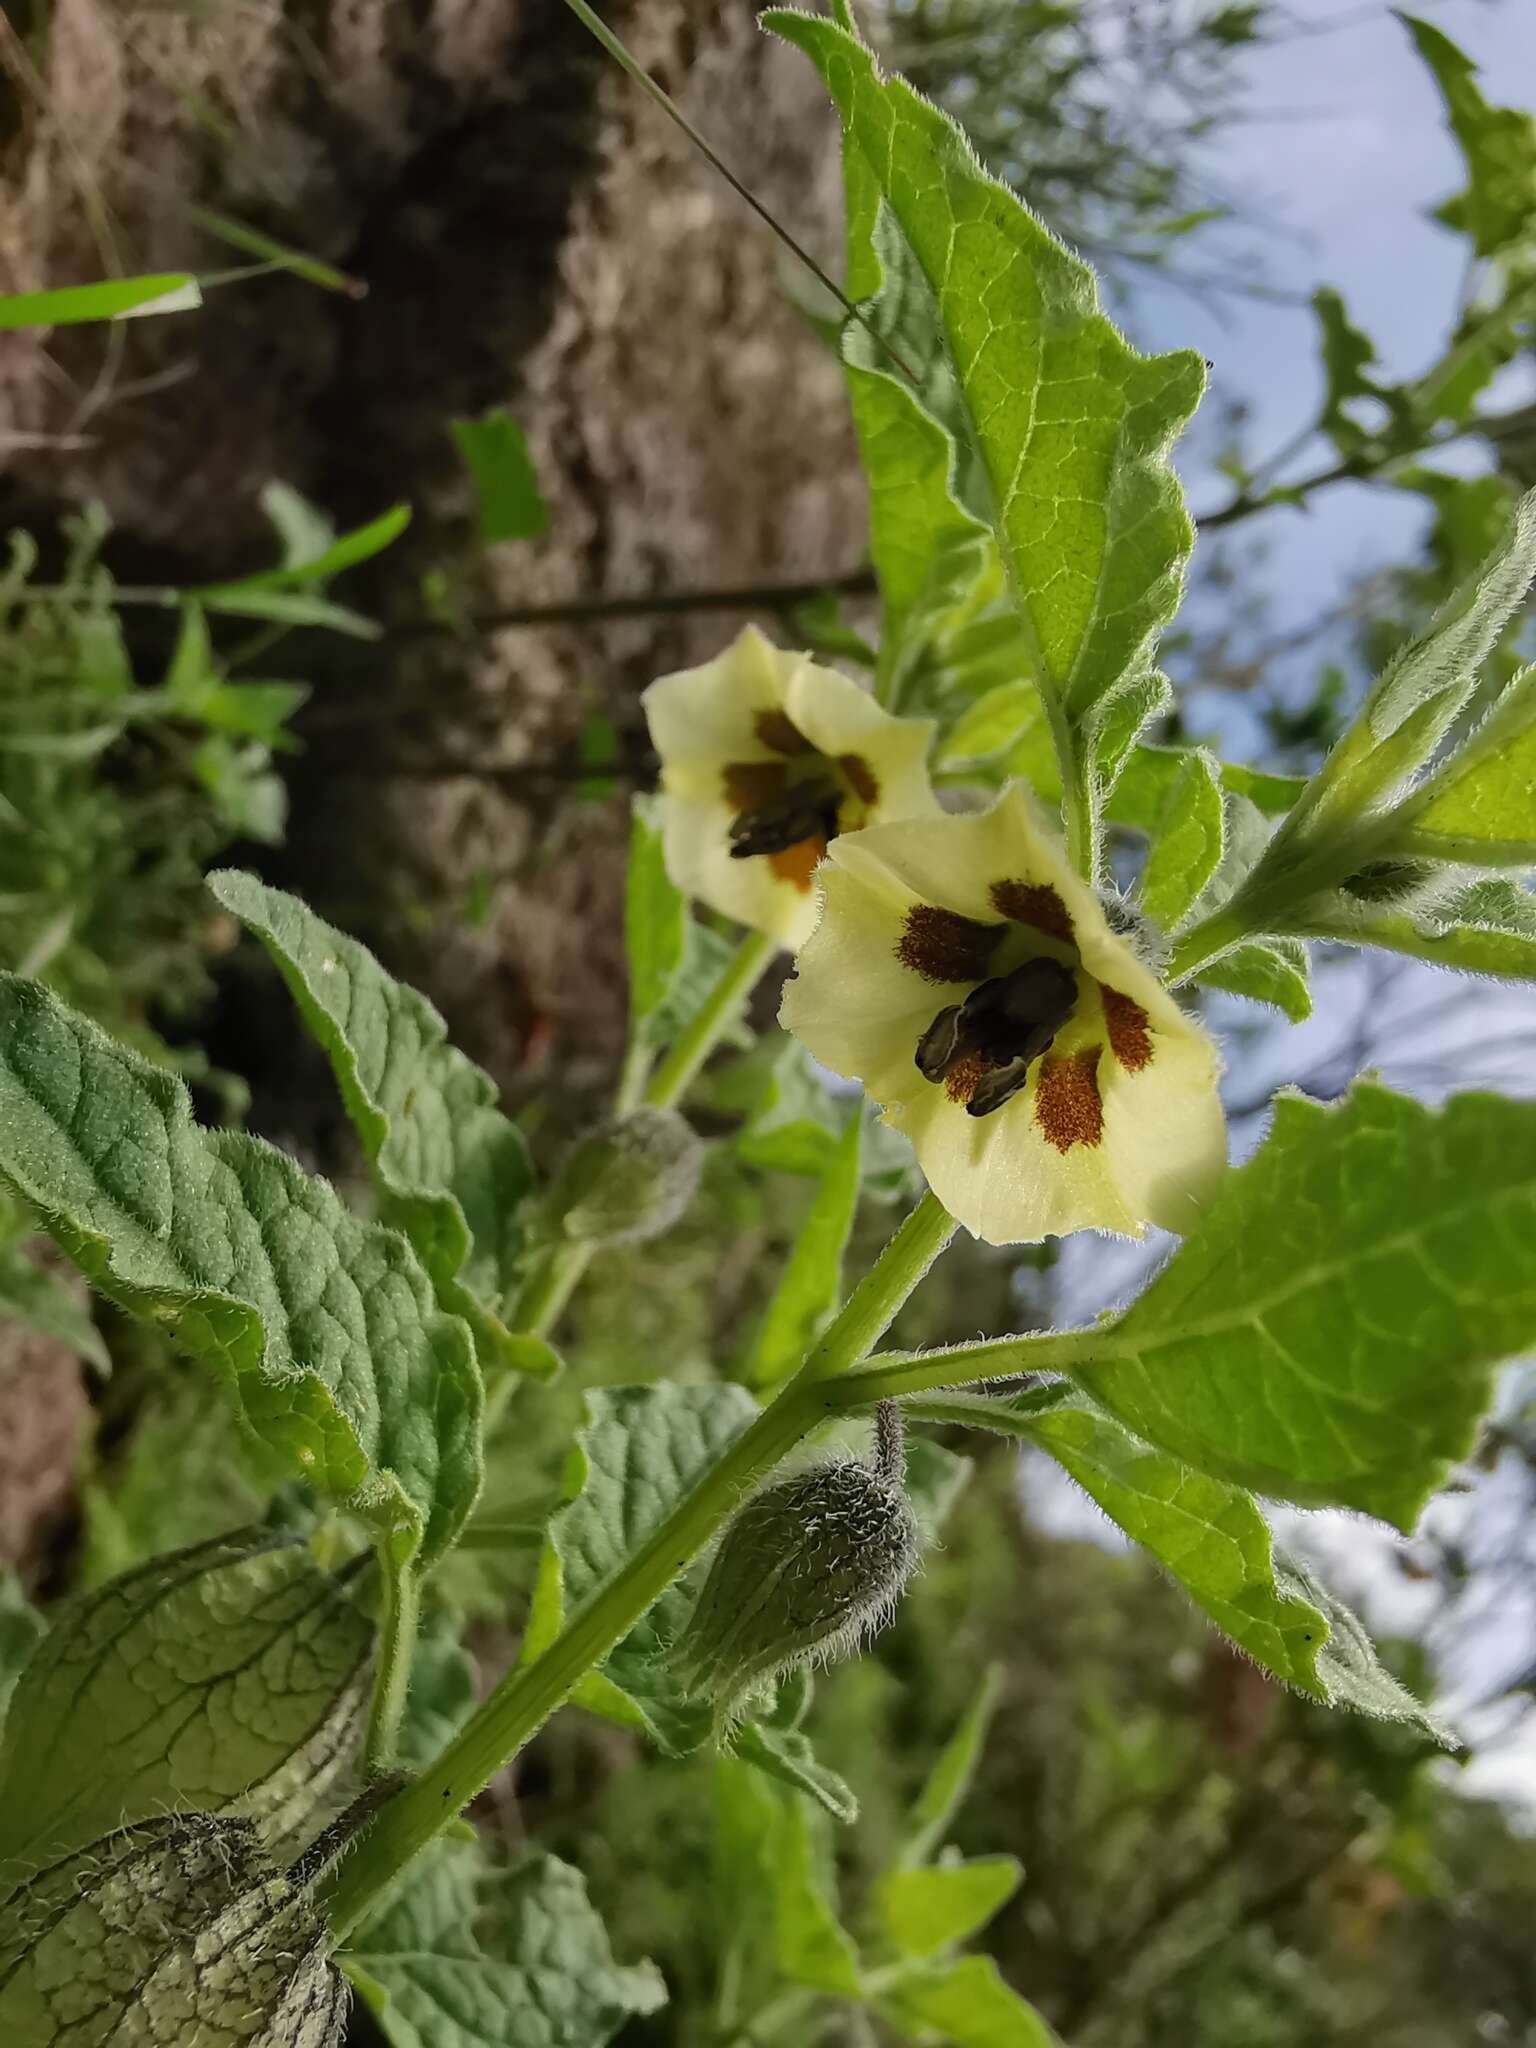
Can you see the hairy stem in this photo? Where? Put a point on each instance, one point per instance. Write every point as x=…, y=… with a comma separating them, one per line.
x=526, y=1699
x=896, y=1374
x=399, y=1618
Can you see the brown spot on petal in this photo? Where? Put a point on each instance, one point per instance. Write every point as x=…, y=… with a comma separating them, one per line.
x=1130, y=1039
x=1068, y=1107
x=1035, y=903
x=777, y=730
x=941, y=945
x=964, y=1078
x=797, y=863
x=860, y=777
x=751, y=784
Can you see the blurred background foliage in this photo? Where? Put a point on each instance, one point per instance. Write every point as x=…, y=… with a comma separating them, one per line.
x=1205, y=1860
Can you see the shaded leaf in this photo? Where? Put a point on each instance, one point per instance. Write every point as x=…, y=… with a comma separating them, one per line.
x=1187, y=846
x=1488, y=927
x=324, y=1327
x=967, y=2003
x=496, y=456
x=810, y=1284
x=1266, y=971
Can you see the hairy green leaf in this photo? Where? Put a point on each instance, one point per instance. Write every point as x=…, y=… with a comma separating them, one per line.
x=1146, y=782
x=229, y=1675
x=1487, y=927
x=811, y=1281
x=312, y=554
x=966, y=2003
x=496, y=456
x=634, y=1459
x=176, y=1930
x=1481, y=806
x=927, y=1908
x=786, y=1754
x=1121, y=716
x=468, y=1956
x=1266, y=971
x=1187, y=847
x=1328, y=1333
x=453, y=1169
x=1213, y=1538
x=1060, y=430
x=325, y=1328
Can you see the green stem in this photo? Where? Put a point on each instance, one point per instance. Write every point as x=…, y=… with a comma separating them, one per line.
x=1077, y=811
x=400, y=1616
x=1203, y=942
x=898, y=1373
x=718, y=1012
x=526, y=1699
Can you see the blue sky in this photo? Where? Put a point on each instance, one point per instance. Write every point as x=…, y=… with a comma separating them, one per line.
x=1344, y=154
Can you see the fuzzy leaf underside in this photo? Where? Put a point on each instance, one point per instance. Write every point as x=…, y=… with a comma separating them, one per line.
x=1488, y=927
x=452, y=1168
x=1060, y=428
x=179, y=1930
x=226, y=1676
x=324, y=1327
x=1328, y=1333
x=467, y=1956
x=1265, y=971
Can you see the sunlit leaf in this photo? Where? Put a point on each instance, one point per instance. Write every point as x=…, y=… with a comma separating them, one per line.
x=114, y=298
x=1265, y=971
x=1187, y=844
x=809, y=1286
x=496, y=456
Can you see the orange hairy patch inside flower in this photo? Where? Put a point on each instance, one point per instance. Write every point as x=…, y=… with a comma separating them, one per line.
x=1034, y=903
x=941, y=945
x=797, y=864
x=751, y=784
x=964, y=1078
x=860, y=777
x=1130, y=1039
x=775, y=729
x=1068, y=1107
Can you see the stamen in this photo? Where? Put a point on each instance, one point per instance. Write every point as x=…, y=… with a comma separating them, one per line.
x=941, y=945
x=806, y=810
x=981, y=1049
x=1126, y=1022
x=1068, y=1106
x=751, y=784
x=777, y=730
x=1035, y=903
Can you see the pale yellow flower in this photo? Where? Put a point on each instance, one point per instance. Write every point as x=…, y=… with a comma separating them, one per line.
x=766, y=757
x=966, y=975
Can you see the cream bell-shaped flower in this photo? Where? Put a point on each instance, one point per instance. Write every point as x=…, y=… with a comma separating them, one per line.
x=966, y=975
x=765, y=758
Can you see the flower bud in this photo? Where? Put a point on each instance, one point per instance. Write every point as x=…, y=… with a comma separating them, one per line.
x=629, y=1179
x=809, y=1569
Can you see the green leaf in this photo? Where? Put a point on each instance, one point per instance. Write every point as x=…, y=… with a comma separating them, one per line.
x=791, y=1124
x=20, y=1627
x=810, y=1284
x=1422, y=691
x=1147, y=779
x=1497, y=143
x=951, y=1777
x=309, y=561
x=226, y=1677
x=1328, y=1333
x=992, y=725
x=1266, y=971
x=453, y=1170
x=179, y=1929
x=1488, y=927
x=324, y=1327
x=1481, y=806
x=786, y=1754
x=442, y=1692
x=1214, y=1539
x=468, y=1956
x=1120, y=717
x=928, y=1908
x=1060, y=429
x=115, y=298
x=638, y=1453
x=811, y=1945
x=1347, y=354
x=285, y=607
x=966, y=2003
x=656, y=923
x=44, y=1302
x=1187, y=847
x=496, y=456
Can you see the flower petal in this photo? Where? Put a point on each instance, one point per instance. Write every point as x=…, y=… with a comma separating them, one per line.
x=697, y=852
x=844, y=723
x=701, y=718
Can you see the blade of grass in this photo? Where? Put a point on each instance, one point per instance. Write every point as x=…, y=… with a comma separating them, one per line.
x=252, y=242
